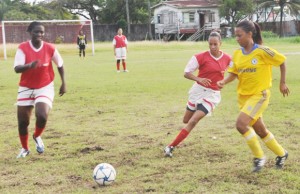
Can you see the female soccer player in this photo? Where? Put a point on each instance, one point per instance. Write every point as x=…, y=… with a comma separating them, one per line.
x=81, y=42
x=252, y=65
x=204, y=95
x=120, y=49
x=33, y=60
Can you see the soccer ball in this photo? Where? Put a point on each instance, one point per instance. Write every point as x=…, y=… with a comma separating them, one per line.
x=104, y=174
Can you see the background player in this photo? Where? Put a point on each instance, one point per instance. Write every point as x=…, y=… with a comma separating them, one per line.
x=204, y=95
x=33, y=60
x=81, y=42
x=252, y=65
x=120, y=49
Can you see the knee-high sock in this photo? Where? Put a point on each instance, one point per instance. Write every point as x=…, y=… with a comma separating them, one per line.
x=273, y=145
x=24, y=141
x=180, y=137
x=253, y=143
x=38, y=131
x=118, y=66
x=124, y=65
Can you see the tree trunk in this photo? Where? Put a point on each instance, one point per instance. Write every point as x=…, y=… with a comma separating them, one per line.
x=128, y=20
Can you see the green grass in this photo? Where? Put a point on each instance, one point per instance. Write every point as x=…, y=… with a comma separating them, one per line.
x=126, y=119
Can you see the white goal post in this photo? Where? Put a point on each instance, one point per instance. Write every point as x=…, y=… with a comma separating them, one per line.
x=46, y=21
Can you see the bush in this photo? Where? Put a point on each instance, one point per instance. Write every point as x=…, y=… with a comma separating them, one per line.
x=268, y=34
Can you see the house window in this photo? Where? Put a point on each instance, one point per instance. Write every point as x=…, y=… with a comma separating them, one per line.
x=189, y=17
x=211, y=17
x=159, y=19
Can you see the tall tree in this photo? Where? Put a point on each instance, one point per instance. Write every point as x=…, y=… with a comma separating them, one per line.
x=235, y=10
x=292, y=5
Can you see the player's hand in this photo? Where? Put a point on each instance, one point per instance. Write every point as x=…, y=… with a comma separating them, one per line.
x=284, y=89
x=34, y=64
x=220, y=84
x=62, y=89
x=204, y=81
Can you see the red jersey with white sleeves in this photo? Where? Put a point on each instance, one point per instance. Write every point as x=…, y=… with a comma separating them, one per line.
x=209, y=67
x=120, y=41
x=43, y=74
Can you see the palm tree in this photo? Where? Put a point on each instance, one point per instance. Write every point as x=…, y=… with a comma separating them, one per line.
x=292, y=5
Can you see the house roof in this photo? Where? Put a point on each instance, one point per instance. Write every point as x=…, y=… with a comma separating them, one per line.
x=189, y=3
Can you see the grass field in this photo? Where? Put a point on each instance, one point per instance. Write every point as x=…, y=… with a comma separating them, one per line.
x=126, y=119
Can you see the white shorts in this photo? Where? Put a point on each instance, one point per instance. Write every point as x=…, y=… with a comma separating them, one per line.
x=200, y=95
x=29, y=97
x=121, y=53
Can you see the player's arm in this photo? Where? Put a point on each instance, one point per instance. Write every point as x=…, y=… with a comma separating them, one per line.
x=228, y=79
x=19, y=64
x=190, y=68
x=59, y=62
x=283, y=87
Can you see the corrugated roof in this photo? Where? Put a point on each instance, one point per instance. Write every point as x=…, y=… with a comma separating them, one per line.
x=191, y=3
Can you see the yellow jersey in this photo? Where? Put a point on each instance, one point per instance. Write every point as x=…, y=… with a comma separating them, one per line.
x=254, y=70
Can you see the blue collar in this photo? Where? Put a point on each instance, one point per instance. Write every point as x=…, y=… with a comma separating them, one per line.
x=255, y=46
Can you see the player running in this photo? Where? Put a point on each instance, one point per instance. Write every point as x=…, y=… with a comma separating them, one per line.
x=252, y=65
x=120, y=49
x=204, y=95
x=33, y=60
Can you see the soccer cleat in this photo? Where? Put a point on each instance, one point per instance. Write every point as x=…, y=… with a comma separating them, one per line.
x=258, y=164
x=280, y=160
x=39, y=144
x=23, y=153
x=168, y=151
x=125, y=70
x=118, y=71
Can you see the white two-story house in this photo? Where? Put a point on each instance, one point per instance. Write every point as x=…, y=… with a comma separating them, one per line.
x=185, y=19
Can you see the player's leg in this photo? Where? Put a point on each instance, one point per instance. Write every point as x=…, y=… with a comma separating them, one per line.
x=124, y=65
x=252, y=108
x=118, y=65
x=43, y=105
x=80, y=50
x=187, y=115
x=271, y=142
x=83, y=50
x=23, y=114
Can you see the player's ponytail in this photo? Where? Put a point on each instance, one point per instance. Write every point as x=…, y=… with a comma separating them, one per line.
x=257, y=38
x=249, y=26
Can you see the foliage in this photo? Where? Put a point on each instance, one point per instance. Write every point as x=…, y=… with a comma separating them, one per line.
x=20, y=10
x=235, y=10
x=292, y=5
x=268, y=34
x=110, y=11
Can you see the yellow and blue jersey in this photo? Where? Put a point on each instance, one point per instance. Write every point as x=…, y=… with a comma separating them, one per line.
x=254, y=70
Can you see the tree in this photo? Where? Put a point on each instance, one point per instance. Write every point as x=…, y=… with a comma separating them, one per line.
x=236, y=10
x=292, y=5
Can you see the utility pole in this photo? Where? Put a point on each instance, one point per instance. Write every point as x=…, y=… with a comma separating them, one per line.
x=128, y=20
x=149, y=27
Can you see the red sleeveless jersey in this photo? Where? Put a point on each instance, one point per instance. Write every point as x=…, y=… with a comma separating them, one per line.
x=212, y=68
x=43, y=74
x=120, y=41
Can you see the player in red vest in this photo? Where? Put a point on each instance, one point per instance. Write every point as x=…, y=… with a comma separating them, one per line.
x=120, y=49
x=204, y=95
x=33, y=60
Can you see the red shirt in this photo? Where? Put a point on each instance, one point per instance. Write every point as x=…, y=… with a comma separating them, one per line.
x=43, y=74
x=120, y=41
x=212, y=68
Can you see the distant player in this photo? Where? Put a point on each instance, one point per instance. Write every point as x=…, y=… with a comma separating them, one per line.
x=252, y=65
x=81, y=42
x=204, y=95
x=33, y=60
x=120, y=49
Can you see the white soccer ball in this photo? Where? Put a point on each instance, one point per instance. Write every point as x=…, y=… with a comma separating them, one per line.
x=104, y=174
